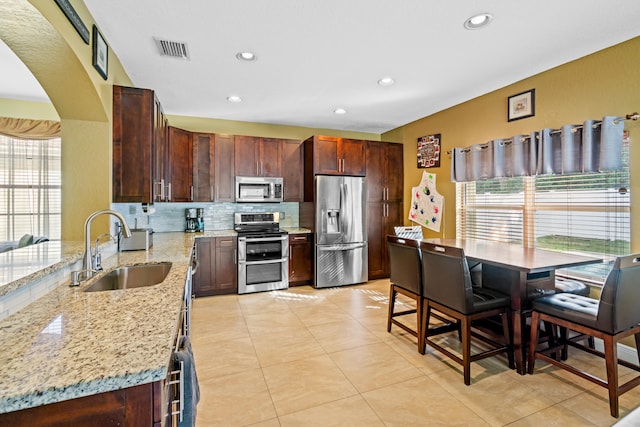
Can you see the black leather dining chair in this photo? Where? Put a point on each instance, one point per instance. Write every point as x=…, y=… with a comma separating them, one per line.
x=612, y=317
x=448, y=289
x=406, y=278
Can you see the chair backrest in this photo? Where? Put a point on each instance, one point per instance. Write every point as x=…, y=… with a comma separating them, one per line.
x=405, y=268
x=446, y=277
x=620, y=298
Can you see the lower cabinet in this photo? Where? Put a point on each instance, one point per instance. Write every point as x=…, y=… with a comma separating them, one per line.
x=381, y=218
x=217, y=272
x=141, y=405
x=300, y=250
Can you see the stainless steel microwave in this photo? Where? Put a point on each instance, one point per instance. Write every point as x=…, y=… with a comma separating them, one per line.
x=256, y=189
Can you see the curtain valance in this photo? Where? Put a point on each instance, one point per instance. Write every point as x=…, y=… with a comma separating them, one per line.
x=29, y=129
x=594, y=146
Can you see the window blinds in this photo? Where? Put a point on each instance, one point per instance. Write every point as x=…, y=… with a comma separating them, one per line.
x=580, y=213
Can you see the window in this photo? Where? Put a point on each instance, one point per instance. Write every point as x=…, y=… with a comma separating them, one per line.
x=30, y=188
x=580, y=213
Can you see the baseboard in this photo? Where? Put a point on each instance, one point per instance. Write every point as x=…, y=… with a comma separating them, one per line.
x=625, y=352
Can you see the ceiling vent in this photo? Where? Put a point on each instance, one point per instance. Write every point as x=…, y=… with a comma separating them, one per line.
x=172, y=49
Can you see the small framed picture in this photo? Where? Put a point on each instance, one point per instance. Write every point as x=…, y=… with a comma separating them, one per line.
x=522, y=105
x=429, y=151
x=100, y=53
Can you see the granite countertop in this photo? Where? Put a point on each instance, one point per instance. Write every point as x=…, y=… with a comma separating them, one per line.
x=22, y=266
x=71, y=343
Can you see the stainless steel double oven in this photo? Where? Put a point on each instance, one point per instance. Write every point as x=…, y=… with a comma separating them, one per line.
x=263, y=252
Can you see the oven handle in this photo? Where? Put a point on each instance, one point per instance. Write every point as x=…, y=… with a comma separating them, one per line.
x=263, y=239
x=270, y=261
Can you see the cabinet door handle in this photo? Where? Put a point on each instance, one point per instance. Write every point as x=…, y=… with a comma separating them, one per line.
x=168, y=192
x=192, y=193
x=212, y=193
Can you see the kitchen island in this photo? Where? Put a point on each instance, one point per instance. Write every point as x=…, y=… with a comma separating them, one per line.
x=69, y=343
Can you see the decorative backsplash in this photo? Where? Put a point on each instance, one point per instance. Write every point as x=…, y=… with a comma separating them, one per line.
x=217, y=216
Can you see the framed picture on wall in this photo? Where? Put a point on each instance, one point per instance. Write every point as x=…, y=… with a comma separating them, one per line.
x=429, y=151
x=100, y=53
x=522, y=105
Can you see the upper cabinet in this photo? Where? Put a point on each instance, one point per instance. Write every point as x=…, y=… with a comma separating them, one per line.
x=292, y=173
x=256, y=156
x=139, y=128
x=328, y=155
x=203, y=167
x=224, y=155
x=179, y=166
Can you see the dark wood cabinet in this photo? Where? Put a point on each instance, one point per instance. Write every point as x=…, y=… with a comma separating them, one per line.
x=292, y=170
x=384, y=171
x=385, y=176
x=217, y=269
x=329, y=155
x=179, y=166
x=255, y=156
x=203, y=167
x=300, y=261
x=130, y=407
x=224, y=170
x=139, y=129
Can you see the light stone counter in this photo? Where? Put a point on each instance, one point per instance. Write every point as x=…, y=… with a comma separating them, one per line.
x=71, y=343
x=297, y=230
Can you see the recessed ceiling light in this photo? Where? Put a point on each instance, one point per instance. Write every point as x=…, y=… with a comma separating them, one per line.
x=386, y=81
x=246, y=56
x=234, y=98
x=478, y=21
x=340, y=111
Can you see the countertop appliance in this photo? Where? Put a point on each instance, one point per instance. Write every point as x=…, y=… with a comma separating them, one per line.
x=194, y=218
x=340, y=230
x=141, y=240
x=258, y=189
x=263, y=252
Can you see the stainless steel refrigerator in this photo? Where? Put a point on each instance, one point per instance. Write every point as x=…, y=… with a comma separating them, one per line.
x=340, y=230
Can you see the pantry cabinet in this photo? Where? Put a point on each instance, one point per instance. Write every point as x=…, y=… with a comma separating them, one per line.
x=385, y=176
x=139, y=138
x=217, y=267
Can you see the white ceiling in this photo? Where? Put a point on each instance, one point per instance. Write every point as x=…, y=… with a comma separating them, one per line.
x=317, y=55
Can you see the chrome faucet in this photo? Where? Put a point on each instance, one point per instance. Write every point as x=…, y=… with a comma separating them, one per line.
x=96, y=258
x=89, y=264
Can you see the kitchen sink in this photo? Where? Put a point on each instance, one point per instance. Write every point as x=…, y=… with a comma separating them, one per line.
x=135, y=276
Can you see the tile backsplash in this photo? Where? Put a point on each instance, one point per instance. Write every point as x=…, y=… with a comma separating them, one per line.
x=162, y=217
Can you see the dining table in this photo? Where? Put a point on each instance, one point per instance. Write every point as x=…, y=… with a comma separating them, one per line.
x=523, y=273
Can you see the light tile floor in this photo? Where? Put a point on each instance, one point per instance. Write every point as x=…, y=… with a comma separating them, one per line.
x=307, y=357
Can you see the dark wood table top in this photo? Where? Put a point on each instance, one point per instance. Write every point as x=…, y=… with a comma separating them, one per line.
x=516, y=257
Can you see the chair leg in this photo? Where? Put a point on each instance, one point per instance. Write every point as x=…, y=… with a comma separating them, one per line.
x=392, y=302
x=419, y=314
x=424, y=329
x=466, y=349
x=611, y=359
x=533, y=341
x=506, y=331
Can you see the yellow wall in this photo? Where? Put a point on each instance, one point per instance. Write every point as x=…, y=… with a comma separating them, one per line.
x=199, y=124
x=604, y=83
